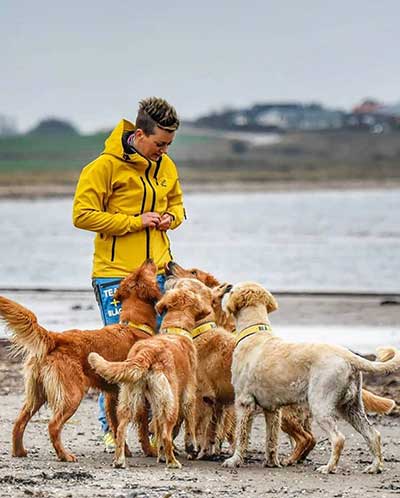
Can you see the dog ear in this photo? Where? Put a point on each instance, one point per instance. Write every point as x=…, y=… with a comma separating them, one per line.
x=270, y=302
x=210, y=280
x=201, y=307
x=122, y=292
x=205, y=309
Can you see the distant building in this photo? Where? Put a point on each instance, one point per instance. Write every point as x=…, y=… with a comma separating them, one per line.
x=369, y=115
x=298, y=116
x=368, y=106
x=276, y=117
x=374, y=116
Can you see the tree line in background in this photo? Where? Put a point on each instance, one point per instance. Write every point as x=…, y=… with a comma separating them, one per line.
x=370, y=115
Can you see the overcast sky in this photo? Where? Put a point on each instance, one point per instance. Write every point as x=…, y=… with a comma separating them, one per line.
x=90, y=61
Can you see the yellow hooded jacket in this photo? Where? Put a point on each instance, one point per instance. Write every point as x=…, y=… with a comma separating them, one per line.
x=112, y=192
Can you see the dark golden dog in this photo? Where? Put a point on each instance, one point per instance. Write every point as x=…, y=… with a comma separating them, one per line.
x=161, y=372
x=56, y=367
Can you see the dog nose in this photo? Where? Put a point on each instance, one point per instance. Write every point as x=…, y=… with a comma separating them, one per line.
x=169, y=267
x=228, y=288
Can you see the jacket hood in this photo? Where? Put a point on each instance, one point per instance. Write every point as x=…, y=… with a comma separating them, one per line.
x=113, y=144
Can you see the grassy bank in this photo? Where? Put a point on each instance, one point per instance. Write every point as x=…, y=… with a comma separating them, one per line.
x=204, y=157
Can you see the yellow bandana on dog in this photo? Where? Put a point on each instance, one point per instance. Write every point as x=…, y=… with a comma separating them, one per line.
x=253, y=329
x=204, y=327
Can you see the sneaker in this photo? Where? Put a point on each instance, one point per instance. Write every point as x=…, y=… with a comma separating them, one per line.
x=153, y=442
x=109, y=442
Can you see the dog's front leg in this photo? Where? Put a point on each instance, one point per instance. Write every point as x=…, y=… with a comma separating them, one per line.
x=244, y=416
x=272, y=425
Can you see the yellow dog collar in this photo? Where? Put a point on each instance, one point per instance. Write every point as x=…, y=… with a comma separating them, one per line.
x=141, y=326
x=204, y=327
x=253, y=329
x=178, y=331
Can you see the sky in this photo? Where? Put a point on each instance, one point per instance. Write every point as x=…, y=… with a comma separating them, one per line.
x=90, y=62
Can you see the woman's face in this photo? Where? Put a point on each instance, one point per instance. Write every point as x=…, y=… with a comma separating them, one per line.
x=153, y=146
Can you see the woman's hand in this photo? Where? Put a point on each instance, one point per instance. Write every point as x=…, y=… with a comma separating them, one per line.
x=165, y=222
x=151, y=220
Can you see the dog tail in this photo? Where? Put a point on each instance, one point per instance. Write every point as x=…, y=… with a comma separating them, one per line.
x=127, y=371
x=27, y=335
x=388, y=361
x=377, y=404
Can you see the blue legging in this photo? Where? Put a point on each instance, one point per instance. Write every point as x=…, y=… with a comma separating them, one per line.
x=104, y=289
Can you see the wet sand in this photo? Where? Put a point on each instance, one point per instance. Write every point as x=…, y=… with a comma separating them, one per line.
x=41, y=475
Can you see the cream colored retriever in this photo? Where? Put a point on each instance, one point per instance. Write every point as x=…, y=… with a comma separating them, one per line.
x=270, y=372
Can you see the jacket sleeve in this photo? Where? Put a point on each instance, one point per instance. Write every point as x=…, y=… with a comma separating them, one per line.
x=175, y=205
x=90, y=203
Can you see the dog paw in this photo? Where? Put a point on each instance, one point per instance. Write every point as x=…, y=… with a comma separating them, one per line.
x=20, y=454
x=325, y=469
x=68, y=457
x=286, y=462
x=119, y=464
x=232, y=462
x=174, y=465
x=373, y=469
x=202, y=455
x=271, y=462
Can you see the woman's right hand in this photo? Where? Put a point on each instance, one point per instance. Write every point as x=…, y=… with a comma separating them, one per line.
x=150, y=219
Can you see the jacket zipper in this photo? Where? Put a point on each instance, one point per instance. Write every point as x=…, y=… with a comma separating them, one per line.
x=114, y=239
x=153, y=203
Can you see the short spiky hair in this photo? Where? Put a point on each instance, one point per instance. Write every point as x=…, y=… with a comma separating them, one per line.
x=153, y=112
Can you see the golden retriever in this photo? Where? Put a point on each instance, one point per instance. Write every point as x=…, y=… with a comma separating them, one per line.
x=215, y=420
x=269, y=372
x=161, y=372
x=56, y=368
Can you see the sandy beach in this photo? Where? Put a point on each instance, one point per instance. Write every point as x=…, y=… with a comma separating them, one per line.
x=41, y=475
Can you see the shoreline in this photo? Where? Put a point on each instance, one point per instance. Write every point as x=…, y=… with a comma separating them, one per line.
x=41, y=475
x=50, y=190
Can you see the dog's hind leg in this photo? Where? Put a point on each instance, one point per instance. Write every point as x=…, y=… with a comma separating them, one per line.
x=56, y=424
x=244, y=419
x=34, y=400
x=203, y=417
x=272, y=425
x=142, y=423
x=299, y=431
x=166, y=431
x=355, y=415
x=124, y=417
x=210, y=429
x=111, y=404
x=329, y=426
x=188, y=410
x=27, y=412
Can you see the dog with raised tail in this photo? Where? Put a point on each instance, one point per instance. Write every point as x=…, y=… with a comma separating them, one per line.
x=269, y=373
x=160, y=372
x=56, y=368
x=215, y=348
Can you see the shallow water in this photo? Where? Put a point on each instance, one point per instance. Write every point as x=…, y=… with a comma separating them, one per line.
x=312, y=240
